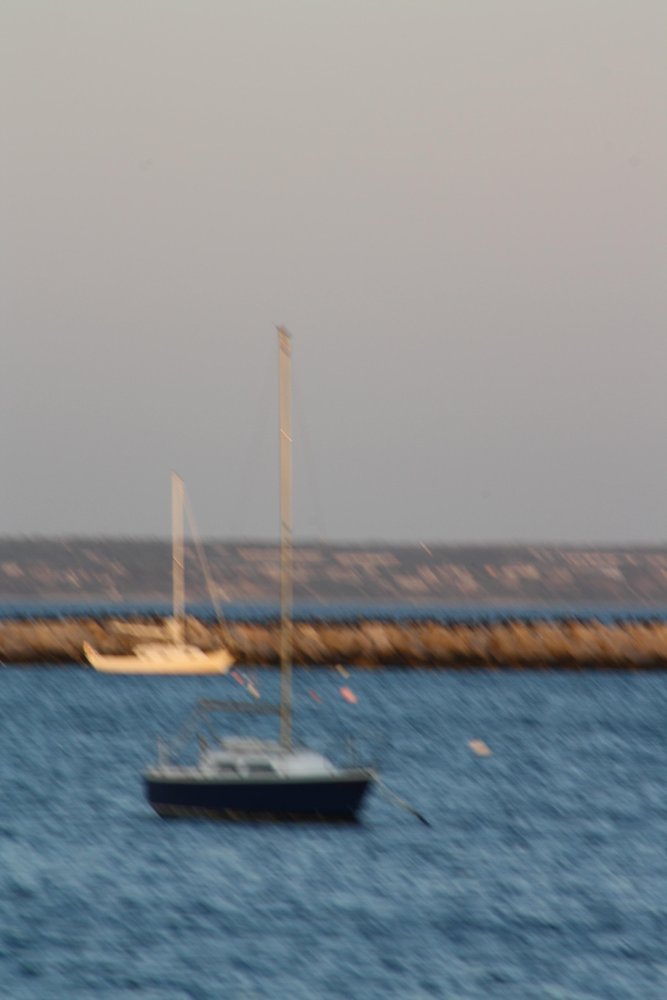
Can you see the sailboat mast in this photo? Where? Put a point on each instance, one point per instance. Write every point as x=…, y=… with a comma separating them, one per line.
x=177, y=557
x=286, y=584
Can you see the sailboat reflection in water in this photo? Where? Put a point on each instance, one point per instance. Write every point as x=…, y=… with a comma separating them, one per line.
x=245, y=778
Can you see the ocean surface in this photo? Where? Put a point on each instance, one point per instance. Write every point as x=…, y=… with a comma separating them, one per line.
x=357, y=611
x=542, y=874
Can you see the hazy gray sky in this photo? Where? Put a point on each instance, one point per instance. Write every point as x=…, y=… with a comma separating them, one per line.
x=457, y=208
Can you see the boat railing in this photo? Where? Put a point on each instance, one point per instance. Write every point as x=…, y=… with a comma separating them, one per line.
x=206, y=705
x=200, y=719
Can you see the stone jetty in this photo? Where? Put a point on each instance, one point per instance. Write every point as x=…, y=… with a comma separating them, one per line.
x=568, y=644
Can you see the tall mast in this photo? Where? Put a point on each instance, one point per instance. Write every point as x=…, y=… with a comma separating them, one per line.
x=177, y=557
x=286, y=584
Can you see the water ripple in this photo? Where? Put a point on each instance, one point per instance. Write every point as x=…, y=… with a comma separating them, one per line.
x=543, y=874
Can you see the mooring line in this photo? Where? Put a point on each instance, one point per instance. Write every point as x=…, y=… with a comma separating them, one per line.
x=397, y=800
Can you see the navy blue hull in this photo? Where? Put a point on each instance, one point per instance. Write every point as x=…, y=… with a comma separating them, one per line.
x=331, y=801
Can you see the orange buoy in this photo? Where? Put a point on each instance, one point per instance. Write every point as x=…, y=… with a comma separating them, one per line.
x=349, y=695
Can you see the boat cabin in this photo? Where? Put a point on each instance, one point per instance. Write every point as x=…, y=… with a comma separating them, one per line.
x=249, y=761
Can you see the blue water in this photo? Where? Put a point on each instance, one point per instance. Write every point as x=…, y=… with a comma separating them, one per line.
x=543, y=873
x=359, y=611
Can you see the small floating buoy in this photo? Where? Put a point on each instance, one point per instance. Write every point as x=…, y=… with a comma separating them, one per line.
x=349, y=695
x=252, y=689
x=342, y=671
x=237, y=677
x=480, y=748
x=315, y=696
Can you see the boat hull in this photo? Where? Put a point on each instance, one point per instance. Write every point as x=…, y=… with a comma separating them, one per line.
x=334, y=799
x=172, y=661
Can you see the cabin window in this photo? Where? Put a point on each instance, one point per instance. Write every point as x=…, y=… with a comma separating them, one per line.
x=260, y=768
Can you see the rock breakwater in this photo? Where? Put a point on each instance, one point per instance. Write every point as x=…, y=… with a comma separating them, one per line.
x=538, y=645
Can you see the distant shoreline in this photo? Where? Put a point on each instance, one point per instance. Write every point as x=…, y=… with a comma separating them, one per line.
x=111, y=571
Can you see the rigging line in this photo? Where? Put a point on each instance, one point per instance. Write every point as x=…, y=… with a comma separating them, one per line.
x=303, y=440
x=203, y=560
x=259, y=438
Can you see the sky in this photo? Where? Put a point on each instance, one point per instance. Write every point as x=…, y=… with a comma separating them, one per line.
x=458, y=209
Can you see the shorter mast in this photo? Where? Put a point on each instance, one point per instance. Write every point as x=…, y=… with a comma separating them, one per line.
x=177, y=558
x=286, y=584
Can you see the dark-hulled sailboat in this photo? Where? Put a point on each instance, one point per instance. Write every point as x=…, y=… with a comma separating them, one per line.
x=241, y=778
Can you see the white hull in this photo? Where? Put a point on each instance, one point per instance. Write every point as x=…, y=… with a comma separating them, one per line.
x=161, y=658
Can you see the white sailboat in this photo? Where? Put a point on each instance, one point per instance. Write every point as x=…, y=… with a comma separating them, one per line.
x=173, y=655
x=241, y=778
